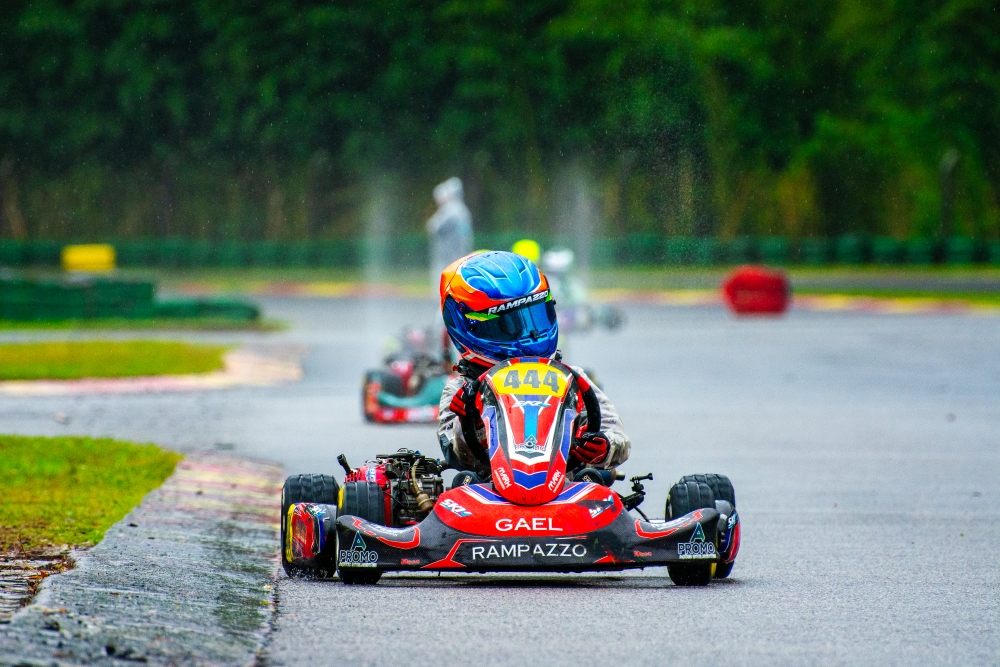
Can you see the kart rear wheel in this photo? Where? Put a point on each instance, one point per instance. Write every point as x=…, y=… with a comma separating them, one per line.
x=321, y=489
x=721, y=487
x=366, y=501
x=686, y=496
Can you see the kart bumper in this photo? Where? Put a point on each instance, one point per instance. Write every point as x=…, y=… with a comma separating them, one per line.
x=384, y=414
x=625, y=543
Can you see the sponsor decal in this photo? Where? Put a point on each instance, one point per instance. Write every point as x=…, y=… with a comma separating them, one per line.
x=597, y=507
x=557, y=479
x=455, y=508
x=500, y=478
x=530, y=448
x=371, y=475
x=410, y=561
x=358, y=555
x=558, y=550
x=517, y=303
x=696, y=547
x=539, y=523
x=642, y=554
x=732, y=520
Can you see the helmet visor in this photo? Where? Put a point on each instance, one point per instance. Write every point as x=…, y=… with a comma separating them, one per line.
x=531, y=321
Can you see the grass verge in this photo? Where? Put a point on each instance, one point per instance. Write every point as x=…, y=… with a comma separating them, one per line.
x=155, y=324
x=103, y=359
x=70, y=490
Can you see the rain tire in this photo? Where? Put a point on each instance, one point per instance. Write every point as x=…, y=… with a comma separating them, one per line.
x=688, y=495
x=366, y=501
x=722, y=489
x=321, y=489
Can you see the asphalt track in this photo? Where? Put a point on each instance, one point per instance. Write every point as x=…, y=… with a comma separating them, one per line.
x=865, y=451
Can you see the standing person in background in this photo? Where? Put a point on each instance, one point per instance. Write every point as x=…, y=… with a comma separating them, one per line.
x=449, y=229
x=450, y=235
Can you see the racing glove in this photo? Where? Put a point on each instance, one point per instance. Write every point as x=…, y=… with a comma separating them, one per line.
x=590, y=447
x=463, y=403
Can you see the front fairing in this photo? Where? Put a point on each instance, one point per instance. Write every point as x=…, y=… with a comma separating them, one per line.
x=529, y=406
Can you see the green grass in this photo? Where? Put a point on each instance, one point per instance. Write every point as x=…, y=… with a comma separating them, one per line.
x=155, y=324
x=103, y=359
x=70, y=490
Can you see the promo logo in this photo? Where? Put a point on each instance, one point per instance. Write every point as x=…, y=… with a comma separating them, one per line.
x=358, y=555
x=530, y=448
x=522, y=550
x=696, y=547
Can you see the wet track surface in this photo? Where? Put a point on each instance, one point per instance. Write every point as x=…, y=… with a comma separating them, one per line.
x=865, y=452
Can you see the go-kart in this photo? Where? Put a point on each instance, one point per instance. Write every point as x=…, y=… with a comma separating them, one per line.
x=535, y=513
x=407, y=389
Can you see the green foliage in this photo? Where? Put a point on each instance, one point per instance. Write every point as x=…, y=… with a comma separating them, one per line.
x=279, y=119
x=70, y=490
x=104, y=359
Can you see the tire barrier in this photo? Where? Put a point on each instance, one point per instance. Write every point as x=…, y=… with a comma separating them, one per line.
x=754, y=290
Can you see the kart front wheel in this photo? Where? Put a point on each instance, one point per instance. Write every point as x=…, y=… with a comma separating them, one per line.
x=366, y=501
x=686, y=496
x=723, y=570
x=320, y=489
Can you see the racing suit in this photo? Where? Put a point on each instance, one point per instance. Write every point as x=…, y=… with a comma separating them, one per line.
x=450, y=435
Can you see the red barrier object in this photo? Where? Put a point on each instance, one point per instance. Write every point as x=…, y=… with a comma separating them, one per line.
x=754, y=290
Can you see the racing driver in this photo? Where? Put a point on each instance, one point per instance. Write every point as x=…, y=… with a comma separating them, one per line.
x=521, y=322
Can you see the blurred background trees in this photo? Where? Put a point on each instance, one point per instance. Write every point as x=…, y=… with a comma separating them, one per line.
x=213, y=119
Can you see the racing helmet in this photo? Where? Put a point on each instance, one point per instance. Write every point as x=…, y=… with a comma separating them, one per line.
x=496, y=306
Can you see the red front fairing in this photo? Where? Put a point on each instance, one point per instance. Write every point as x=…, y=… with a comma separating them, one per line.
x=529, y=406
x=473, y=529
x=580, y=508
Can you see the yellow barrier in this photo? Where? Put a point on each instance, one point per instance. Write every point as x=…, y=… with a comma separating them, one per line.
x=89, y=257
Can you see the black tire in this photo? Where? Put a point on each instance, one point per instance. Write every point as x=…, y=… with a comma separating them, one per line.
x=721, y=487
x=364, y=500
x=689, y=495
x=304, y=489
x=370, y=377
x=686, y=496
x=391, y=383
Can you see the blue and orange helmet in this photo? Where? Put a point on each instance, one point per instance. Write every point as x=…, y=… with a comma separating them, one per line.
x=497, y=306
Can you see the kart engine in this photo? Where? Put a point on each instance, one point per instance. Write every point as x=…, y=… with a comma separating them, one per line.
x=410, y=481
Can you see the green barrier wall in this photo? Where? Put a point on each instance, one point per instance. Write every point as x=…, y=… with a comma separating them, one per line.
x=410, y=251
x=53, y=300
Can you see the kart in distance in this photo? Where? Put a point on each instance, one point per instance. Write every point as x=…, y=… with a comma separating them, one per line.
x=535, y=513
x=407, y=388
